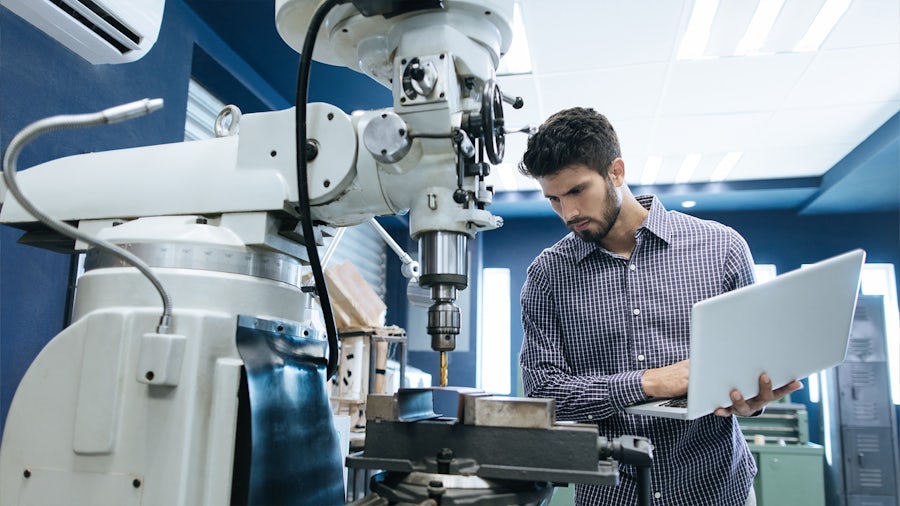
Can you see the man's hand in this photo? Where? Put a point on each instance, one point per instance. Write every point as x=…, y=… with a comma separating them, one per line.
x=747, y=407
x=668, y=381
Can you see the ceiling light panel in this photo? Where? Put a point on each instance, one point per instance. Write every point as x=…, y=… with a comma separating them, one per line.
x=725, y=166
x=821, y=27
x=730, y=24
x=761, y=24
x=688, y=166
x=793, y=21
x=696, y=35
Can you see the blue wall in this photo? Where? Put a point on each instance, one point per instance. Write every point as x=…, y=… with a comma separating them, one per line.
x=41, y=78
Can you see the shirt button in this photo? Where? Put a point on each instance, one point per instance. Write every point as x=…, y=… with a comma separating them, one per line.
x=640, y=358
x=657, y=495
x=590, y=417
x=632, y=266
x=636, y=311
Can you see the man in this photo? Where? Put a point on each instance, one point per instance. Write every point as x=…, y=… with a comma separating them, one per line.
x=606, y=314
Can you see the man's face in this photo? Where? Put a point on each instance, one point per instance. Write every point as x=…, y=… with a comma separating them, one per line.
x=587, y=202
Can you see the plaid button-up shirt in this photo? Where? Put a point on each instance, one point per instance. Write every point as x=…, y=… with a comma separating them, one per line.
x=595, y=320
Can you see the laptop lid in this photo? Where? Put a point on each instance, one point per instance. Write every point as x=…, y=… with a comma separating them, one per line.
x=790, y=327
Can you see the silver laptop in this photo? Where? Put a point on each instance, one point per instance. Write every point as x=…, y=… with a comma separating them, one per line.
x=790, y=327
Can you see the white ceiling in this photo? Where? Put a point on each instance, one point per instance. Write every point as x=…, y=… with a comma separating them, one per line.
x=790, y=114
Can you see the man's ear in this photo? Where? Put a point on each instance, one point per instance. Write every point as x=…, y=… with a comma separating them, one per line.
x=617, y=172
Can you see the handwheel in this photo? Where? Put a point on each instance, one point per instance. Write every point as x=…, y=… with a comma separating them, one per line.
x=493, y=134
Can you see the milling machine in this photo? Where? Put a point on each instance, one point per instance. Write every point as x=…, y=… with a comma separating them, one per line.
x=221, y=398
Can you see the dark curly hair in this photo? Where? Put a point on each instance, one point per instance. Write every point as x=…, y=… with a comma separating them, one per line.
x=577, y=135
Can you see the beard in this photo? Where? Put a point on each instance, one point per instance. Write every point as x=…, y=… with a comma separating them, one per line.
x=599, y=227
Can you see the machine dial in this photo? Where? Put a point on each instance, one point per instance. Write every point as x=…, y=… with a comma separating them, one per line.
x=419, y=78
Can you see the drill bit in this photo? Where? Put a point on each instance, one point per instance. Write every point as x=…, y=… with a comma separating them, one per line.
x=443, y=368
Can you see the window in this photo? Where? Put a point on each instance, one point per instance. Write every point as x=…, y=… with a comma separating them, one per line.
x=202, y=109
x=494, y=371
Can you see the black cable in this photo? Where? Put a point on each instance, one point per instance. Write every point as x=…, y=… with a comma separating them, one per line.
x=302, y=184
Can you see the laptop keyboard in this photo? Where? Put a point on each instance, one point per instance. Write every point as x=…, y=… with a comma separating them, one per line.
x=678, y=402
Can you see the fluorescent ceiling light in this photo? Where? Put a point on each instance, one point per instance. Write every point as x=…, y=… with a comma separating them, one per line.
x=651, y=170
x=693, y=44
x=726, y=164
x=828, y=16
x=758, y=31
x=518, y=59
x=688, y=166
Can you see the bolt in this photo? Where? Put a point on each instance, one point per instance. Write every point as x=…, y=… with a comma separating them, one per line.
x=312, y=151
x=444, y=457
x=149, y=375
x=27, y=473
x=136, y=483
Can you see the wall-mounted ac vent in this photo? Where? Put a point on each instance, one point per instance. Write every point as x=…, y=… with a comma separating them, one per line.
x=101, y=31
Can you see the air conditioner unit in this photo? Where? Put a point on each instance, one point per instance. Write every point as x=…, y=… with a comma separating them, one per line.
x=101, y=31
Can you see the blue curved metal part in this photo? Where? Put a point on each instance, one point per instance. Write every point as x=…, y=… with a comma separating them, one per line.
x=295, y=457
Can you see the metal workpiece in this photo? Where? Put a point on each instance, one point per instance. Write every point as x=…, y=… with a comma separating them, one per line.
x=408, y=405
x=539, y=452
x=387, y=137
x=501, y=411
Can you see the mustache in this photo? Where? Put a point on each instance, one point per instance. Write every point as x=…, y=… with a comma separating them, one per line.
x=572, y=223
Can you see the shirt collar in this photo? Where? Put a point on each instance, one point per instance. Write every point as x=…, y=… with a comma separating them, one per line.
x=657, y=223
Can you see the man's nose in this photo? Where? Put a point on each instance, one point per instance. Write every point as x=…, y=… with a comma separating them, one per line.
x=569, y=210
